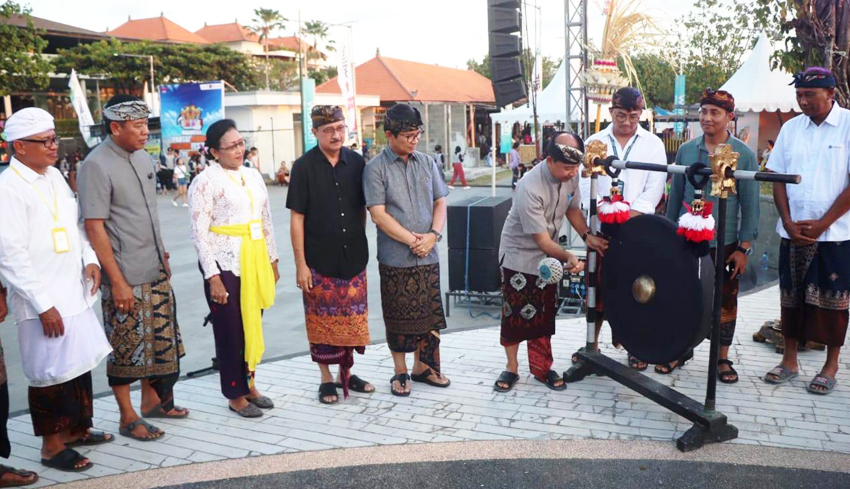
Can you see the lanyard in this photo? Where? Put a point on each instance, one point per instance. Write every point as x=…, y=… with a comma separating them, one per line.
x=243, y=186
x=628, y=150
x=55, y=211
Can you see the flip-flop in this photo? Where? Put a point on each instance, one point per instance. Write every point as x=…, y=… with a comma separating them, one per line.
x=356, y=384
x=551, y=378
x=727, y=376
x=424, y=378
x=93, y=438
x=634, y=363
x=508, y=378
x=659, y=369
x=160, y=412
x=781, y=374
x=574, y=359
x=821, y=380
x=326, y=390
x=66, y=461
x=128, y=430
x=5, y=469
x=402, y=380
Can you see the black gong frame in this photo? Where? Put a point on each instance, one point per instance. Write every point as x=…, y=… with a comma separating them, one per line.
x=710, y=426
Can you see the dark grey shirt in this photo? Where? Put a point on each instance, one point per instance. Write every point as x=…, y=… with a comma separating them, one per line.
x=540, y=205
x=120, y=188
x=408, y=191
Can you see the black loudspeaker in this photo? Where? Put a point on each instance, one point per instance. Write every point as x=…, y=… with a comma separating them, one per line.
x=504, y=18
x=484, y=273
x=482, y=220
x=486, y=219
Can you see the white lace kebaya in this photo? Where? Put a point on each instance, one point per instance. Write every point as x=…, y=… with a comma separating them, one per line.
x=220, y=197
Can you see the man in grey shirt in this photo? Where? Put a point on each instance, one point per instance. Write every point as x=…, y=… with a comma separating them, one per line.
x=405, y=194
x=545, y=195
x=117, y=190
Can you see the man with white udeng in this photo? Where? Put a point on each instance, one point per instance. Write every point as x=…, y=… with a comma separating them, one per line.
x=54, y=275
x=627, y=141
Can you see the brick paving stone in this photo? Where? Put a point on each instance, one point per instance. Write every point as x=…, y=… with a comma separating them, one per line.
x=781, y=416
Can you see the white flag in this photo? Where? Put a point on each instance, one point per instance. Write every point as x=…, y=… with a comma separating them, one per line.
x=347, y=84
x=81, y=107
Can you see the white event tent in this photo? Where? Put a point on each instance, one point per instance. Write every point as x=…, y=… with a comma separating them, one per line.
x=763, y=97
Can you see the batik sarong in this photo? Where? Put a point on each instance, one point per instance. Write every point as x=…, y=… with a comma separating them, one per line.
x=529, y=307
x=146, y=343
x=413, y=311
x=814, y=285
x=62, y=407
x=337, y=316
x=729, y=301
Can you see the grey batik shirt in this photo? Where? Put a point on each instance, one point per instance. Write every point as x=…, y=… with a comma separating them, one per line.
x=408, y=190
x=540, y=206
x=120, y=188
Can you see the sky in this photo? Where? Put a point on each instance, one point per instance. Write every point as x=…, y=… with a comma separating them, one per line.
x=443, y=32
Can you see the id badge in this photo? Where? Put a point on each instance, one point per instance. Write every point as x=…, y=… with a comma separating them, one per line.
x=61, y=244
x=256, y=230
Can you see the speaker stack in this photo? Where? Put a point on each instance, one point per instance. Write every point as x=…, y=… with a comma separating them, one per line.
x=478, y=221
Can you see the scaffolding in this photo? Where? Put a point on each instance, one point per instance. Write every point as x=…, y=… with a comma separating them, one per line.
x=575, y=55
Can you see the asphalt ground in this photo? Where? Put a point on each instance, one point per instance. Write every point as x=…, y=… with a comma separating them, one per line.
x=530, y=473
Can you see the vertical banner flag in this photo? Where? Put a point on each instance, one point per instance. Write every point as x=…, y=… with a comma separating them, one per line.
x=347, y=84
x=309, y=93
x=81, y=107
x=187, y=110
x=506, y=138
x=679, y=102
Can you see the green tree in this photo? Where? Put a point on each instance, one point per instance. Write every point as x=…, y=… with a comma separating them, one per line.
x=173, y=63
x=318, y=30
x=656, y=77
x=815, y=33
x=550, y=67
x=265, y=21
x=711, y=49
x=21, y=65
x=323, y=74
x=482, y=68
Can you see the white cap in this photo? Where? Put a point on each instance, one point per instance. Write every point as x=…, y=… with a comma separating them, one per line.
x=27, y=122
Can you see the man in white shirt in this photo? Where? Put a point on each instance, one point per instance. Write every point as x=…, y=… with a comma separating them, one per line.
x=54, y=276
x=628, y=141
x=814, y=254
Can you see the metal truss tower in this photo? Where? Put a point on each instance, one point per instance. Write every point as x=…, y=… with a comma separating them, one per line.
x=575, y=55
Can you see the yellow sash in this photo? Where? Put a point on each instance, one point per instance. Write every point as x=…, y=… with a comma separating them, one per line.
x=256, y=289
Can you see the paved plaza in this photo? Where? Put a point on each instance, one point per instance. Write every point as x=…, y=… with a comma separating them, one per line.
x=780, y=426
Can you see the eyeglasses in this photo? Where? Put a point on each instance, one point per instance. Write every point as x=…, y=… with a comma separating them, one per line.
x=235, y=146
x=624, y=116
x=329, y=131
x=411, y=138
x=54, y=141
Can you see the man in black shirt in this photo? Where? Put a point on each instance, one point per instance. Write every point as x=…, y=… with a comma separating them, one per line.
x=328, y=230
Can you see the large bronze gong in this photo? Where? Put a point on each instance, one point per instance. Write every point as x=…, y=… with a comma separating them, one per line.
x=657, y=293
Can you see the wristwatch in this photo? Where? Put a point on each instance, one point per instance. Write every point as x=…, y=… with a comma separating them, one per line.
x=438, y=235
x=584, y=236
x=746, y=251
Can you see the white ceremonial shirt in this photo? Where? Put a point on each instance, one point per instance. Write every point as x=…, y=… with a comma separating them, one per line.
x=642, y=189
x=821, y=155
x=217, y=198
x=40, y=278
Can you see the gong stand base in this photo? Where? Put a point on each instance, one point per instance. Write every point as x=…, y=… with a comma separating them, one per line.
x=709, y=426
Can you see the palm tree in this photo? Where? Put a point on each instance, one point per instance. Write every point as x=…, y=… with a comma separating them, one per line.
x=319, y=31
x=265, y=21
